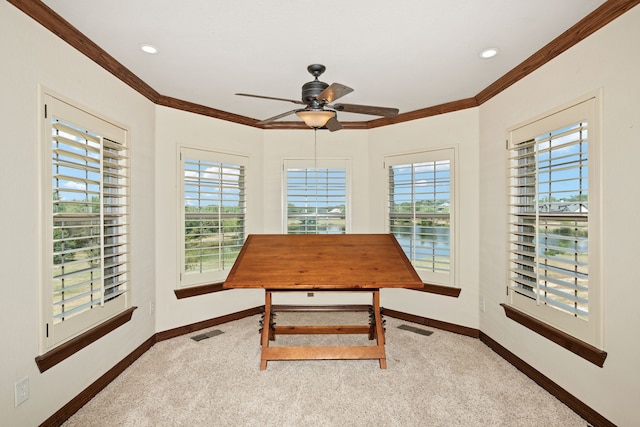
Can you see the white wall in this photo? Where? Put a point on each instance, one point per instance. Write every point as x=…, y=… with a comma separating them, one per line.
x=458, y=130
x=31, y=55
x=608, y=59
x=176, y=128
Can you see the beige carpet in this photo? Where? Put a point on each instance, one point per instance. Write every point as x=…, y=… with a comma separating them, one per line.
x=439, y=380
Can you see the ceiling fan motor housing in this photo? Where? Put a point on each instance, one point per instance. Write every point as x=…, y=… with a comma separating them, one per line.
x=311, y=90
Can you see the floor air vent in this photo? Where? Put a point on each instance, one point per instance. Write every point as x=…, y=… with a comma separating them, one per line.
x=206, y=335
x=416, y=330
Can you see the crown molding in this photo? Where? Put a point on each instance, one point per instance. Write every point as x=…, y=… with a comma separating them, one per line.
x=46, y=17
x=192, y=107
x=603, y=15
x=588, y=25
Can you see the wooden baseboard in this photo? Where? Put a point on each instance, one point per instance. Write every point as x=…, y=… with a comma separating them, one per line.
x=64, y=413
x=187, y=329
x=565, y=397
x=438, y=324
x=591, y=416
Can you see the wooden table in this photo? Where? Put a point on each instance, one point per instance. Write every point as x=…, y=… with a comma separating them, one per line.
x=345, y=262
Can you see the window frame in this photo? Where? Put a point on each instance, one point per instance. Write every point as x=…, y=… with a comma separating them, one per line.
x=319, y=163
x=184, y=280
x=53, y=335
x=586, y=109
x=449, y=153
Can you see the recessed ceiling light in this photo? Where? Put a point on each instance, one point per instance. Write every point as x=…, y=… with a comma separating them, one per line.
x=489, y=53
x=147, y=48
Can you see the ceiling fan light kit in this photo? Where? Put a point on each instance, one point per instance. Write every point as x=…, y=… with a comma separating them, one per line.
x=316, y=118
x=317, y=97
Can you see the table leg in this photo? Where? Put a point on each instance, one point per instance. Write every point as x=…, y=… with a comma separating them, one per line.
x=375, y=328
x=379, y=329
x=266, y=328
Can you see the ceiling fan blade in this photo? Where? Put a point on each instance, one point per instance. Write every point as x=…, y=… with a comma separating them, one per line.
x=333, y=124
x=273, y=98
x=366, y=109
x=333, y=92
x=279, y=116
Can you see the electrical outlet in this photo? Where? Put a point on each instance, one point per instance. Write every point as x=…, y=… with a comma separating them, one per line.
x=152, y=307
x=21, y=390
x=482, y=304
x=309, y=294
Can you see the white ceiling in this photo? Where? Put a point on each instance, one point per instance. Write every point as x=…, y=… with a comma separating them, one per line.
x=408, y=54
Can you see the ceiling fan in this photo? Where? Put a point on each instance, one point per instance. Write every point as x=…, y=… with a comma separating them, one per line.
x=317, y=97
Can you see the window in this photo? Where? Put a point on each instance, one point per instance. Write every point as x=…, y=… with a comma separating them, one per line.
x=316, y=196
x=421, y=206
x=553, y=234
x=212, y=214
x=86, y=241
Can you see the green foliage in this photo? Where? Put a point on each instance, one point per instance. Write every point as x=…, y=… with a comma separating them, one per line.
x=91, y=206
x=422, y=206
x=212, y=241
x=74, y=236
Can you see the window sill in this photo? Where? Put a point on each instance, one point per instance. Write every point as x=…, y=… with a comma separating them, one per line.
x=574, y=345
x=440, y=290
x=217, y=287
x=199, y=290
x=69, y=348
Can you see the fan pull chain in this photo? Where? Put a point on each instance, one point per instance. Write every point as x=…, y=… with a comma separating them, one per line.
x=315, y=168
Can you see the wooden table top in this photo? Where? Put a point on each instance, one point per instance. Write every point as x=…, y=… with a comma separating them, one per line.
x=322, y=261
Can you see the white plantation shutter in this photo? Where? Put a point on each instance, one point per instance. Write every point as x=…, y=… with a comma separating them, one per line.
x=87, y=273
x=316, y=196
x=553, y=186
x=213, y=210
x=420, y=211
